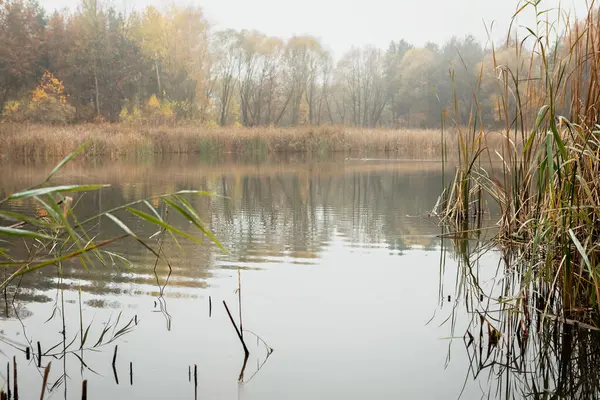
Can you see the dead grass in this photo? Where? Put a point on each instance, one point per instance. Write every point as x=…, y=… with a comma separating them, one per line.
x=120, y=140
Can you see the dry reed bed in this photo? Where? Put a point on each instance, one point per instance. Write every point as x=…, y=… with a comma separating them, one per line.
x=549, y=193
x=120, y=140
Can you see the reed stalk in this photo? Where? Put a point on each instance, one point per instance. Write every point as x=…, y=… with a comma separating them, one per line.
x=548, y=187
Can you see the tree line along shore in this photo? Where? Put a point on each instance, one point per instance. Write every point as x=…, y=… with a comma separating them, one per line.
x=95, y=64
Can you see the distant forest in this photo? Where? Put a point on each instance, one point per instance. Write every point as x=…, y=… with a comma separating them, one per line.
x=96, y=64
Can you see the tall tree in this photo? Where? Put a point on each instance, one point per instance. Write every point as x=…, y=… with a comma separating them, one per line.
x=300, y=65
x=393, y=58
x=415, y=86
x=151, y=33
x=22, y=36
x=361, y=77
x=228, y=56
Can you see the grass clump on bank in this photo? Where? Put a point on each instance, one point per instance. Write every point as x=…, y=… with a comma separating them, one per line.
x=549, y=186
x=123, y=140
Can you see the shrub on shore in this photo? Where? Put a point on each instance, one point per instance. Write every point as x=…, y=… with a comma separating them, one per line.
x=47, y=104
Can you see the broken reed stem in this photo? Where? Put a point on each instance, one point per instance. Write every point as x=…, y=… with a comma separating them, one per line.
x=240, y=301
x=209, y=306
x=15, y=379
x=39, y=347
x=246, y=352
x=243, y=370
x=45, y=381
x=131, y=373
x=114, y=360
x=116, y=375
x=114, y=364
x=84, y=390
x=8, y=379
x=195, y=381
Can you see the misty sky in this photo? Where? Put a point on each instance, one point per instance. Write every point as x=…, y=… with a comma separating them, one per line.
x=341, y=24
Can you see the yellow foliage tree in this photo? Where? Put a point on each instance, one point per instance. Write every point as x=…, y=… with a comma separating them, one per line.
x=159, y=112
x=153, y=104
x=176, y=41
x=47, y=104
x=12, y=112
x=151, y=34
x=52, y=86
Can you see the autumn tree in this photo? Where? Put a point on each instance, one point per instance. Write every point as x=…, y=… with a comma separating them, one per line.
x=168, y=62
x=185, y=60
x=22, y=27
x=150, y=33
x=57, y=43
x=415, y=85
x=457, y=74
x=227, y=56
x=504, y=73
x=269, y=87
x=393, y=58
x=361, y=83
x=301, y=59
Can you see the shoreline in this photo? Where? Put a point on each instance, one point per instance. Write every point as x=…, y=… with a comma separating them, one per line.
x=116, y=141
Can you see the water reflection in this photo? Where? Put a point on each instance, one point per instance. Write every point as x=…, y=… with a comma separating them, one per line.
x=264, y=214
x=517, y=337
x=341, y=274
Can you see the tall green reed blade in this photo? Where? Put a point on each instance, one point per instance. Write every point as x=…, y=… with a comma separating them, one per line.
x=68, y=240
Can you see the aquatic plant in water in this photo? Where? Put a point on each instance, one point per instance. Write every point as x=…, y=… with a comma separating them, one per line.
x=537, y=334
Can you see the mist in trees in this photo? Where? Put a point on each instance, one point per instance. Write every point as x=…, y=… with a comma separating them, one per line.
x=115, y=66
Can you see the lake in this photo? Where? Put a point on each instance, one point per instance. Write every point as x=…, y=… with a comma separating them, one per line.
x=342, y=273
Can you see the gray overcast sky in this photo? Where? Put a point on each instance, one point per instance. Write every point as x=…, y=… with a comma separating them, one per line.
x=341, y=24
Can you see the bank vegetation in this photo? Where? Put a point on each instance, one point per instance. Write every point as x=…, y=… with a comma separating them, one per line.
x=35, y=141
x=549, y=189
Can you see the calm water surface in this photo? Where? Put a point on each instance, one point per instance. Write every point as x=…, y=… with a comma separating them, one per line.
x=340, y=274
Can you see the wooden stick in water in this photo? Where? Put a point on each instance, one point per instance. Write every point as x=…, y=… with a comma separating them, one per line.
x=84, y=390
x=131, y=373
